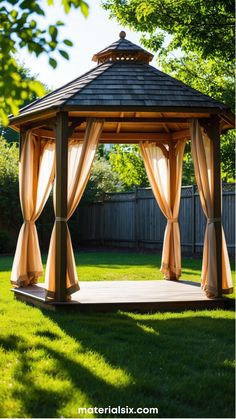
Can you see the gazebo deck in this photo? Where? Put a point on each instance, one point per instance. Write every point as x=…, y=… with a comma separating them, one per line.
x=140, y=296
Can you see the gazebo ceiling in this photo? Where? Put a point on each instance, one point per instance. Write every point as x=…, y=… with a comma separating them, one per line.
x=125, y=89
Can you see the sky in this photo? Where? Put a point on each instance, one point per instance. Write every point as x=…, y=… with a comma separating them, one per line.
x=89, y=35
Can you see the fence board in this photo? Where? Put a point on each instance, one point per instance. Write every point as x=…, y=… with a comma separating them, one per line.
x=134, y=220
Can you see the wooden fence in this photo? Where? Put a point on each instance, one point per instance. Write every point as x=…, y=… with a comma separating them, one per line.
x=134, y=219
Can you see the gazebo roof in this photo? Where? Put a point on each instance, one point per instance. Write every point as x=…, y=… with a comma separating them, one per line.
x=123, y=80
x=119, y=47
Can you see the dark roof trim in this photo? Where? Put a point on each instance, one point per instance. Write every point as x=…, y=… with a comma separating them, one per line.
x=120, y=108
x=28, y=116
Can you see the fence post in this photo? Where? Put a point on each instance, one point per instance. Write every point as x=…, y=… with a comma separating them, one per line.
x=193, y=219
x=136, y=220
x=102, y=227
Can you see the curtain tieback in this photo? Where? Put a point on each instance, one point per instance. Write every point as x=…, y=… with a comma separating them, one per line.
x=29, y=222
x=61, y=219
x=213, y=220
x=172, y=220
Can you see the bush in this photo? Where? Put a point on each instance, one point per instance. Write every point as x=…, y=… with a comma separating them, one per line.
x=9, y=185
x=6, y=245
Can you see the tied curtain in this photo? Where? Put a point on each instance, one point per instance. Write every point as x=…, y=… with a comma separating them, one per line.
x=204, y=166
x=164, y=169
x=36, y=174
x=80, y=159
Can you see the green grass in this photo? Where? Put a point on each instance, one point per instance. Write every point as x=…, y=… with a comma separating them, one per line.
x=120, y=266
x=53, y=363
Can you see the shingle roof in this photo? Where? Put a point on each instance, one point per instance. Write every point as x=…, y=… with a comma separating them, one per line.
x=138, y=84
x=122, y=45
x=128, y=84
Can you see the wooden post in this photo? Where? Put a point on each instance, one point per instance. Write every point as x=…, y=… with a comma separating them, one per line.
x=214, y=134
x=61, y=204
x=172, y=163
x=22, y=140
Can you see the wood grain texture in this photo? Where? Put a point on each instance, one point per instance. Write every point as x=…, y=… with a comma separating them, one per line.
x=127, y=295
x=61, y=204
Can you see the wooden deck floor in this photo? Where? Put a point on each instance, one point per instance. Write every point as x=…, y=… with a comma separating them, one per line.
x=141, y=296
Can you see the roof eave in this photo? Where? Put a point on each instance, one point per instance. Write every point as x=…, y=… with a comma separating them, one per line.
x=180, y=109
x=16, y=121
x=27, y=117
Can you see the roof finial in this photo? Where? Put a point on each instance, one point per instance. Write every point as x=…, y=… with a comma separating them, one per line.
x=122, y=35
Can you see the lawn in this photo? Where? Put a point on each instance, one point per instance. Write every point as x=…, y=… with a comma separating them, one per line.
x=54, y=363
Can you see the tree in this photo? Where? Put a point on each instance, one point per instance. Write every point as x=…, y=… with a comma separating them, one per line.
x=199, y=50
x=216, y=79
x=228, y=156
x=6, y=132
x=18, y=29
x=102, y=179
x=204, y=26
x=126, y=161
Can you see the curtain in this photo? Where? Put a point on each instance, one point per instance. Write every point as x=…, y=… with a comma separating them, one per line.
x=164, y=169
x=204, y=166
x=80, y=159
x=36, y=174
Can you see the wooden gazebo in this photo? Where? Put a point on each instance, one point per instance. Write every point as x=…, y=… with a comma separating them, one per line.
x=131, y=102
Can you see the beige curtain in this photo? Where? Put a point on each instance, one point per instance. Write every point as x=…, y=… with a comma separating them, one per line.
x=36, y=174
x=204, y=165
x=80, y=159
x=164, y=169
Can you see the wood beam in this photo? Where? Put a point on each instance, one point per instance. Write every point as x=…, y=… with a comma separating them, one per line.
x=119, y=123
x=137, y=136
x=61, y=204
x=147, y=120
x=75, y=123
x=109, y=137
x=181, y=135
x=33, y=116
x=228, y=119
x=164, y=125
x=49, y=123
x=22, y=140
x=166, y=109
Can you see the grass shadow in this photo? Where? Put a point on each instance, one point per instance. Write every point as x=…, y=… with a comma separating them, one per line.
x=154, y=354
x=169, y=361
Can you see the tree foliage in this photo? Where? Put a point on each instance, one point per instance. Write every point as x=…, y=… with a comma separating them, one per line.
x=19, y=28
x=9, y=193
x=194, y=42
x=228, y=156
x=102, y=179
x=204, y=26
x=8, y=133
x=126, y=161
x=214, y=77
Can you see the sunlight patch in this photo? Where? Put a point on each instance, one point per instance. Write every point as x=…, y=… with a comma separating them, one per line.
x=98, y=366
x=148, y=329
x=229, y=363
